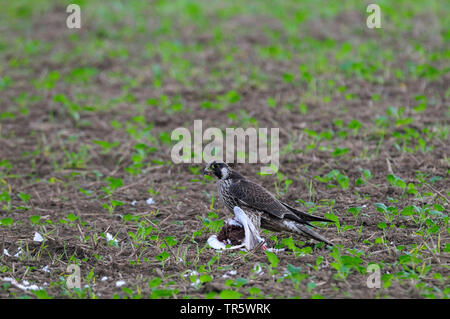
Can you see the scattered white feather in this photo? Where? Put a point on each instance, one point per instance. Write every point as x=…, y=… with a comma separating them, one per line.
x=19, y=252
x=133, y=203
x=120, y=283
x=104, y=278
x=34, y=287
x=214, y=243
x=230, y=273
x=258, y=269
x=150, y=201
x=196, y=283
x=191, y=273
x=37, y=237
x=274, y=250
x=6, y=252
x=46, y=269
x=110, y=237
x=25, y=285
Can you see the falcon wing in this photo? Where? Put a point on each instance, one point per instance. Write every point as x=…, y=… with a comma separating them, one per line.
x=257, y=197
x=305, y=216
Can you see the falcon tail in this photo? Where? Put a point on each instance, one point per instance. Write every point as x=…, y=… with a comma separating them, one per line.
x=306, y=217
x=302, y=230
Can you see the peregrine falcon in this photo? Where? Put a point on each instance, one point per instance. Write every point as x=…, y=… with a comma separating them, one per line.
x=263, y=209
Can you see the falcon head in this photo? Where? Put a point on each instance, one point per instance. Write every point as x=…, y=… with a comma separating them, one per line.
x=221, y=170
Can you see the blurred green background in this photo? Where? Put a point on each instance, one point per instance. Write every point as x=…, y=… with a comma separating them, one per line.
x=230, y=43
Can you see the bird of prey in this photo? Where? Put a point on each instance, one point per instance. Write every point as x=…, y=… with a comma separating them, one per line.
x=263, y=208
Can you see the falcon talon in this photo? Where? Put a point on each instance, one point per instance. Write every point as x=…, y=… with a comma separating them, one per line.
x=261, y=207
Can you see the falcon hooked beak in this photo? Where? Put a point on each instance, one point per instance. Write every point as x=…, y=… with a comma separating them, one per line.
x=208, y=170
x=221, y=170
